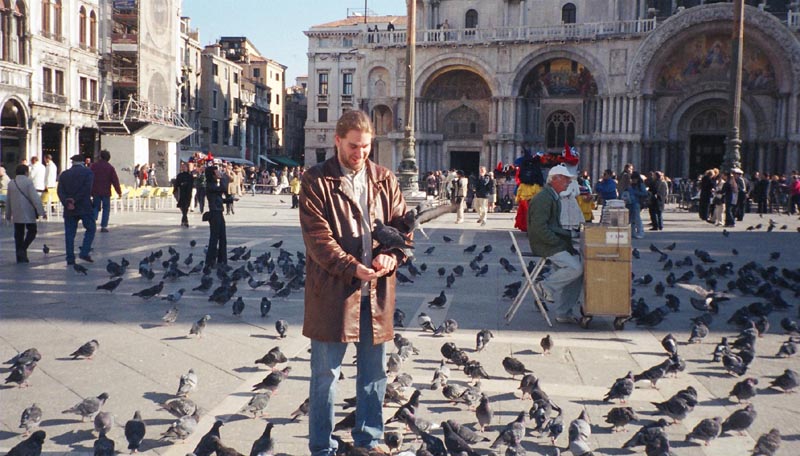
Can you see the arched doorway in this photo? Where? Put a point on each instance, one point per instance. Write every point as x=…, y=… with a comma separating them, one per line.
x=13, y=134
x=707, y=133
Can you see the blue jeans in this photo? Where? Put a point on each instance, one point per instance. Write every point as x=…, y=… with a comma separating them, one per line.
x=326, y=362
x=105, y=201
x=636, y=222
x=71, y=229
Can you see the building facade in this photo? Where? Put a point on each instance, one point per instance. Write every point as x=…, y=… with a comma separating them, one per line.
x=624, y=81
x=221, y=121
x=296, y=114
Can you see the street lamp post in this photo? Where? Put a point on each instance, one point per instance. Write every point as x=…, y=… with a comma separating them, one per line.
x=733, y=156
x=408, y=172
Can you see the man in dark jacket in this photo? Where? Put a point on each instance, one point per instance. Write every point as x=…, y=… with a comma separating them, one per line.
x=105, y=176
x=74, y=191
x=216, y=189
x=564, y=286
x=350, y=279
x=182, y=191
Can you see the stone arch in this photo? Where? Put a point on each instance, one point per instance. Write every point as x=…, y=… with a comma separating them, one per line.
x=456, y=61
x=682, y=110
x=463, y=122
x=590, y=62
x=382, y=119
x=13, y=113
x=379, y=80
x=765, y=30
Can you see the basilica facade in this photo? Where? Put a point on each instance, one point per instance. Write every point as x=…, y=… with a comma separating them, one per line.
x=638, y=81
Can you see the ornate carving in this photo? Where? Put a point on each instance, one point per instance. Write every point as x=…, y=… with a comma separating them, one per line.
x=677, y=24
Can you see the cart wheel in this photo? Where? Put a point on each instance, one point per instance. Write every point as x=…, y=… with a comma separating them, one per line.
x=619, y=323
x=584, y=322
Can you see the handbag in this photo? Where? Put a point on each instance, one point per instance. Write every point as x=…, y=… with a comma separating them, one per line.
x=35, y=209
x=206, y=216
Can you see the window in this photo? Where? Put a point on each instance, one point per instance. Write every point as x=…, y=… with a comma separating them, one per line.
x=214, y=132
x=13, y=32
x=93, y=89
x=323, y=84
x=277, y=99
x=235, y=77
x=256, y=72
x=322, y=114
x=214, y=99
x=46, y=17
x=215, y=69
x=569, y=14
x=236, y=136
x=320, y=155
x=84, y=88
x=226, y=74
x=277, y=76
x=82, y=27
x=560, y=129
x=471, y=19
x=93, y=30
x=226, y=133
x=47, y=80
x=59, y=89
x=347, y=84
x=57, y=27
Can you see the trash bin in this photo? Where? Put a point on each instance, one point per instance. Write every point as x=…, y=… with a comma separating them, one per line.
x=607, y=273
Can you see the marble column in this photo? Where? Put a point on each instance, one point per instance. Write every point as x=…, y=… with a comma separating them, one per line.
x=623, y=156
x=522, y=13
x=603, y=164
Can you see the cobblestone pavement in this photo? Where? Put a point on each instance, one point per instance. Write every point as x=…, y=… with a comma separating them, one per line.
x=140, y=360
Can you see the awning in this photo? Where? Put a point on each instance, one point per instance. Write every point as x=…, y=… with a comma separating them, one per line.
x=286, y=161
x=266, y=159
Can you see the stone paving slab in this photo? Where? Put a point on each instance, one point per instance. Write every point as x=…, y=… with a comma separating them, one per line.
x=43, y=304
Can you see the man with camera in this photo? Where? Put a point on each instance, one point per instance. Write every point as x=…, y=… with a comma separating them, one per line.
x=216, y=192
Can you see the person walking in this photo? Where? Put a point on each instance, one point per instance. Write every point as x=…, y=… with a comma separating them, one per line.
x=637, y=192
x=742, y=186
x=232, y=189
x=200, y=187
x=658, y=197
x=23, y=207
x=607, y=187
x=51, y=172
x=760, y=192
x=481, y=201
x=216, y=188
x=38, y=175
x=461, y=184
x=182, y=191
x=105, y=176
x=350, y=279
x=75, y=191
x=294, y=188
x=730, y=191
x=547, y=238
x=707, y=184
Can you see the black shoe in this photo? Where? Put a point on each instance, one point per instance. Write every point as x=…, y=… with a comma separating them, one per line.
x=86, y=258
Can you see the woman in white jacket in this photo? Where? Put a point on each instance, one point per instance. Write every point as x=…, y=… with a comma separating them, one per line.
x=24, y=206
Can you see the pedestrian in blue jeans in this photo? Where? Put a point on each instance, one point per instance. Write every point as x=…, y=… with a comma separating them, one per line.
x=350, y=281
x=105, y=176
x=636, y=193
x=74, y=191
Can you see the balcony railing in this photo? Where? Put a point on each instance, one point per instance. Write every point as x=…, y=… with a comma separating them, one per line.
x=124, y=38
x=88, y=105
x=15, y=78
x=793, y=20
x=54, y=98
x=562, y=32
x=141, y=111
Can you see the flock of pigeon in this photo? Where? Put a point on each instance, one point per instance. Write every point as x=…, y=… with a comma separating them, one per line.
x=412, y=429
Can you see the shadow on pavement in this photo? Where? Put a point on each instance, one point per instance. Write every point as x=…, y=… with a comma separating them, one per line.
x=158, y=398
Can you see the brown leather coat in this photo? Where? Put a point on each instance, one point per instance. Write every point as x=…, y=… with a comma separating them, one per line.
x=329, y=221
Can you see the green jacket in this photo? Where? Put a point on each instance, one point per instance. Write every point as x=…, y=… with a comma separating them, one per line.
x=545, y=233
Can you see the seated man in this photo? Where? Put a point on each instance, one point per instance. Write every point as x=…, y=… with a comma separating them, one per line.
x=564, y=286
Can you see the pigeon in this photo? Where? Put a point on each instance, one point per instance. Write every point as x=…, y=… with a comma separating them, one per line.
x=264, y=445
x=787, y=381
x=454, y=443
x=514, y=367
x=745, y=389
x=579, y=433
x=266, y=306
x=272, y=358
x=135, y=430
x=546, y=344
x=207, y=444
x=281, y=326
x=670, y=344
x=148, y=293
x=438, y=301
x=653, y=374
x=103, y=422
x=199, y=326
x=449, y=326
x=482, y=339
x=425, y=322
x=440, y=376
x=88, y=407
x=768, y=444
x=740, y=420
x=171, y=315
x=676, y=407
x=390, y=237
x=111, y=285
x=20, y=373
x=619, y=417
x=789, y=326
x=272, y=381
x=30, y=355
x=450, y=280
x=734, y=364
x=475, y=371
x=471, y=249
x=301, y=411
x=699, y=332
x=32, y=446
x=647, y=434
x=257, y=404
x=398, y=318
x=458, y=271
x=430, y=250
x=636, y=254
x=706, y=430
x=45, y=249
x=238, y=307
x=788, y=348
x=182, y=428
x=393, y=440
x=86, y=350
x=441, y=271
x=104, y=446
x=180, y=406
x=513, y=432
x=621, y=389
x=277, y=245
x=175, y=296
x=466, y=433
x=188, y=384
x=31, y=418
x=80, y=269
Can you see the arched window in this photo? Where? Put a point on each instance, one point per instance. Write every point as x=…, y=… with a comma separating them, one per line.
x=46, y=18
x=93, y=30
x=560, y=129
x=471, y=19
x=57, y=28
x=82, y=27
x=569, y=14
x=5, y=28
x=20, y=21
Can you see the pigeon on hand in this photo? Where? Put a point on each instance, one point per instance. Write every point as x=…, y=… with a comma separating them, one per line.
x=86, y=350
x=199, y=326
x=88, y=407
x=390, y=237
x=135, y=430
x=30, y=419
x=188, y=384
x=281, y=326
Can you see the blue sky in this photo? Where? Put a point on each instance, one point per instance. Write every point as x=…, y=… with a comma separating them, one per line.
x=276, y=26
